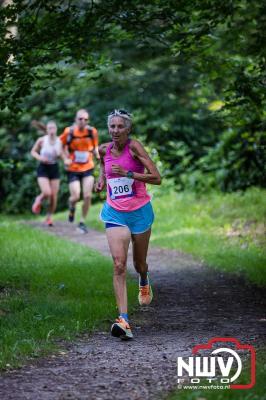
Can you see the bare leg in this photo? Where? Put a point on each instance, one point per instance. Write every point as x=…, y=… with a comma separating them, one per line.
x=74, y=188
x=54, y=184
x=87, y=187
x=140, y=244
x=118, y=240
x=45, y=187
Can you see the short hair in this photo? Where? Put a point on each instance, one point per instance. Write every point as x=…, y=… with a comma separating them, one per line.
x=83, y=110
x=127, y=117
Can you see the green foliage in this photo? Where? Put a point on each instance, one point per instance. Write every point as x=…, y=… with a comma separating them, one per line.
x=192, y=73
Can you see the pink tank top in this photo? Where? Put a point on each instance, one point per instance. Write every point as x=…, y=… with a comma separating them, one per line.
x=124, y=194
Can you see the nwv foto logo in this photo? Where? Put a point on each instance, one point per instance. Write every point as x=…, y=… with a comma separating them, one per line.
x=223, y=363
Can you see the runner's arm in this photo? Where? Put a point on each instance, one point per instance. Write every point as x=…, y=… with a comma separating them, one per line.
x=65, y=156
x=35, y=151
x=152, y=175
x=97, y=153
x=100, y=184
x=96, y=144
x=65, y=152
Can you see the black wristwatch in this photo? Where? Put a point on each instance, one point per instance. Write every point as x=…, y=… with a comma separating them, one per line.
x=130, y=174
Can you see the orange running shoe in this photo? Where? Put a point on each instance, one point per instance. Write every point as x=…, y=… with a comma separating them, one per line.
x=121, y=329
x=36, y=207
x=145, y=294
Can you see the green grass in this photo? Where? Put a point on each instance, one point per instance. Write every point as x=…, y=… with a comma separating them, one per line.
x=226, y=231
x=49, y=289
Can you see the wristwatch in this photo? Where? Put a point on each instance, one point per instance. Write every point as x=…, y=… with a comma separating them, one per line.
x=130, y=174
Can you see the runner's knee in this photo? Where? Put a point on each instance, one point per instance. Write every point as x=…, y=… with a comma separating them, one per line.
x=87, y=197
x=47, y=193
x=119, y=266
x=75, y=197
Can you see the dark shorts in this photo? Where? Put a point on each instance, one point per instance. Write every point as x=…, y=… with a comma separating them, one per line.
x=50, y=171
x=78, y=176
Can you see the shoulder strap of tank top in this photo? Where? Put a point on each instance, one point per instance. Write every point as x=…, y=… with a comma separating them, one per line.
x=45, y=141
x=108, y=150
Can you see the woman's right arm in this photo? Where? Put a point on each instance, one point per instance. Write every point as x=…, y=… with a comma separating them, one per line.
x=35, y=151
x=100, y=184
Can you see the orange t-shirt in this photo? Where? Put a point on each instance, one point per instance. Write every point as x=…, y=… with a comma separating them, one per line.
x=80, y=148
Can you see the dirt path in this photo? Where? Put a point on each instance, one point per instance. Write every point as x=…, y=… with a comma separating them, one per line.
x=192, y=304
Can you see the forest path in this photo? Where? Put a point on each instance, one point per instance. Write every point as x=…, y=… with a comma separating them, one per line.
x=192, y=304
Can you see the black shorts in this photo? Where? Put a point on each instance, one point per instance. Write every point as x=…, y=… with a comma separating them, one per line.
x=50, y=171
x=78, y=176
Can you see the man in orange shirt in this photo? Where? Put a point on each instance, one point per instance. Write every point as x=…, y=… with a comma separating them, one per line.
x=80, y=143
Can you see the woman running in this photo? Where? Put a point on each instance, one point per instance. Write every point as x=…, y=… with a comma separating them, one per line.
x=128, y=215
x=47, y=149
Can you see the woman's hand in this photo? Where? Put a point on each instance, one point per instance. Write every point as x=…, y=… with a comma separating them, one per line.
x=117, y=169
x=44, y=160
x=99, y=185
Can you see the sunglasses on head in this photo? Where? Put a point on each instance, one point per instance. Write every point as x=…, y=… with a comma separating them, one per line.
x=120, y=111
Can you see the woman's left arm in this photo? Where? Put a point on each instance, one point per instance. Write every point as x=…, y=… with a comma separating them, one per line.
x=152, y=175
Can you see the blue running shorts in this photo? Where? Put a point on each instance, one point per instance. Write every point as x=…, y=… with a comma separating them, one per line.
x=137, y=221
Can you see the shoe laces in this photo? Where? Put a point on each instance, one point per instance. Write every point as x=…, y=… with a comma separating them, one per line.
x=144, y=290
x=122, y=321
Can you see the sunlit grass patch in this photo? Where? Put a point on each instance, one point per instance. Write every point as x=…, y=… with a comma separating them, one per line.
x=223, y=230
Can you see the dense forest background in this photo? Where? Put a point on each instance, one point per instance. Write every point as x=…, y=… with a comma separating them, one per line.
x=191, y=72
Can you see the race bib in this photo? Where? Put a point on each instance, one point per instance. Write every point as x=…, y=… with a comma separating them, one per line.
x=80, y=157
x=120, y=187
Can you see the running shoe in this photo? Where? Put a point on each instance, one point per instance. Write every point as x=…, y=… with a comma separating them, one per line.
x=121, y=329
x=145, y=294
x=71, y=215
x=49, y=221
x=83, y=227
x=36, y=207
